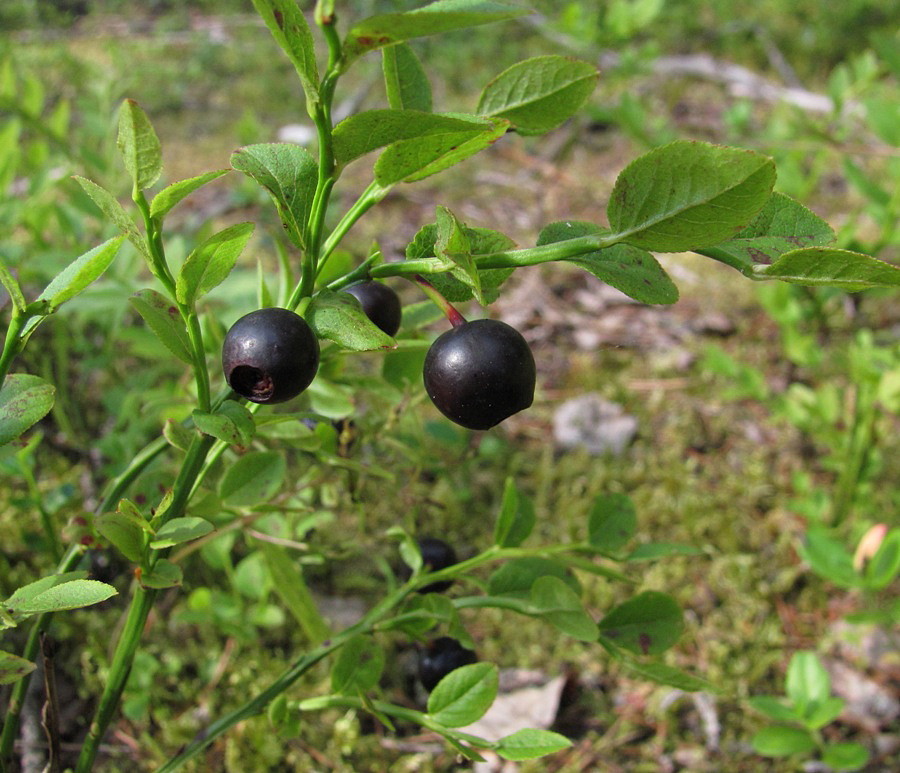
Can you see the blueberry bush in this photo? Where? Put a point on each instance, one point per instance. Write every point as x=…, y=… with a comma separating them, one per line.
x=229, y=458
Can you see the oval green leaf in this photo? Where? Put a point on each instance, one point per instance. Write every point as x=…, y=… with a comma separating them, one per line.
x=289, y=173
x=339, y=317
x=538, y=94
x=530, y=743
x=139, y=145
x=164, y=319
x=630, y=270
x=464, y=695
x=173, y=194
x=180, y=530
x=24, y=401
x=688, y=195
x=782, y=741
x=209, y=264
x=405, y=80
x=358, y=666
x=13, y=668
x=254, y=478
x=831, y=267
x=68, y=595
x=647, y=624
x=611, y=522
x=554, y=601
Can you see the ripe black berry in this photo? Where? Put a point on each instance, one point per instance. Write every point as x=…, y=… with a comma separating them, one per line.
x=380, y=303
x=439, y=658
x=270, y=355
x=436, y=555
x=480, y=373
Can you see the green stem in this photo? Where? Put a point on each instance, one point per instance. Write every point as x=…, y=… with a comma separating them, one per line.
x=117, y=488
x=361, y=273
x=13, y=343
x=373, y=194
x=392, y=710
x=46, y=521
x=257, y=704
x=201, y=372
x=119, y=670
x=139, y=609
x=730, y=260
x=159, y=266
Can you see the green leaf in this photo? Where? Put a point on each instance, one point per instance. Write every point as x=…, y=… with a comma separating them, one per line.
x=13, y=668
x=481, y=241
x=24, y=401
x=291, y=587
x=434, y=19
x=339, y=317
x=139, y=145
x=650, y=551
x=829, y=558
x=530, y=743
x=782, y=741
x=452, y=245
x=331, y=400
x=560, y=606
x=209, y=264
x=831, y=267
x=254, y=478
x=109, y=206
x=24, y=595
x=516, y=577
x=629, y=269
x=418, y=158
x=662, y=673
x=774, y=708
x=291, y=31
x=845, y=756
x=538, y=94
x=807, y=681
x=688, y=195
x=164, y=574
x=364, y=132
x=177, y=435
x=230, y=425
x=125, y=530
x=647, y=624
x=67, y=595
x=405, y=80
x=464, y=695
x=180, y=530
x=79, y=274
x=164, y=319
x=289, y=173
x=612, y=522
x=781, y=226
x=12, y=287
x=884, y=566
x=516, y=519
x=818, y=715
x=358, y=666
x=173, y=194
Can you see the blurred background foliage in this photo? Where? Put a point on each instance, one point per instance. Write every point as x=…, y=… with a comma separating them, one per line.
x=764, y=412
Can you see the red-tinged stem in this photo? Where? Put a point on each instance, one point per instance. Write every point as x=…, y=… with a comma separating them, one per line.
x=456, y=319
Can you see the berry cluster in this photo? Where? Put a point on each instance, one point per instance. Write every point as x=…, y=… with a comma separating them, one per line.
x=477, y=374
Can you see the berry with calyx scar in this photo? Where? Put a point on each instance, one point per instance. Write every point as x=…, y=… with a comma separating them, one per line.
x=270, y=355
